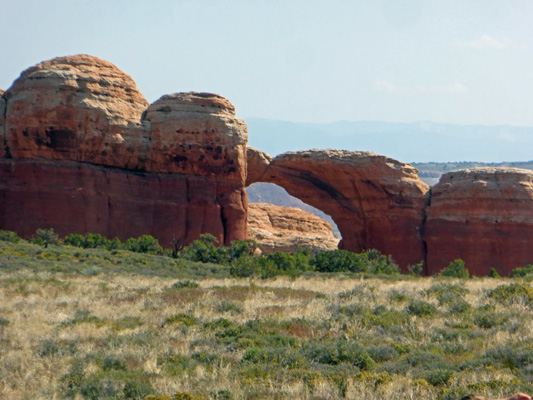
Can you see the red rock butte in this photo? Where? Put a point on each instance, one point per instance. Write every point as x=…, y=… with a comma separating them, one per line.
x=483, y=216
x=83, y=151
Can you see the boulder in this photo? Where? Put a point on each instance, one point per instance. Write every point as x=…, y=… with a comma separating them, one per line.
x=286, y=229
x=178, y=167
x=483, y=216
x=376, y=202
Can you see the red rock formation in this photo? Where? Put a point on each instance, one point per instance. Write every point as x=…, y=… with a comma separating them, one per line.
x=197, y=134
x=179, y=165
x=2, y=127
x=278, y=228
x=483, y=216
x=376, y=202
x=71, y=108
x=258, y=163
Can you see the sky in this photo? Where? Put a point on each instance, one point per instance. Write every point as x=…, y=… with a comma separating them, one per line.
x=447, y=61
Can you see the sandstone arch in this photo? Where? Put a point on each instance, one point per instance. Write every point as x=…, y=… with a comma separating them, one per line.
x=376, y=202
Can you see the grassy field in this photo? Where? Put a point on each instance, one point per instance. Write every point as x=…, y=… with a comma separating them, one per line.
x=96, y=324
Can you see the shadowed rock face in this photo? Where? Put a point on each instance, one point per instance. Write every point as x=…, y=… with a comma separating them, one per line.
x=483, y=216
x=178, y=167
x=376, y=202
x=2, y=123
x=286, y=229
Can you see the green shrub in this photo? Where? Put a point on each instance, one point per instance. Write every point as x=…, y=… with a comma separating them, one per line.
x=439, y=377
x=9, y=236
x=112, y=362
x=44, y=237
x=383, y=353
x=489, y=319
x=137, y=390
x=287, y=264
x=493, y=273
x=283, y=357
x=513, y=357
x=339, y=261
x=447, y=293
x=52, y=348
x=74, y=239
x=417, y=269
x=144, y=244
x=342, y=351
x=523, y=271
x=421, y=308
x=82, y=316
x=513, y=293
x=245, y=267
x=185, y=285
x=456, y=269
x=223, y=394
x=92, y=241
x=202, y=250
x=239, y=249
x=272, y=265
x=418, y=362
x=181, y=318
x=378, y=264
x=459, y=306
x=228, y=306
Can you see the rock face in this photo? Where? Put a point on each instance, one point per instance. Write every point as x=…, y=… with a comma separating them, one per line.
x=376, y=202
x=258, y=163
x=2, y=123
x=71, y=108
x=178, y=167
x=278, y=228
x=483, y=216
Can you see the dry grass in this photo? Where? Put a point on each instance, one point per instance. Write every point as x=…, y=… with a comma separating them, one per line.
x=56, y=321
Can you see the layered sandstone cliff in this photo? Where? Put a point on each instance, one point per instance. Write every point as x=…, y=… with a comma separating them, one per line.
x=2, y=123
x=82, y=151
x=174, y=169
x=483, y=216
x=286, y=229
x=376, y=202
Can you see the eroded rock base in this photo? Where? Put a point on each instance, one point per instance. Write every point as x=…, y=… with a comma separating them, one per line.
x=74, y=197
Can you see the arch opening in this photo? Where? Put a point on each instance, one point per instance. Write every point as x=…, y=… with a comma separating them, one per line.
x=282, y=222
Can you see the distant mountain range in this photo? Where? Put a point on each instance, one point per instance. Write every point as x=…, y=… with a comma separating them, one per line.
x=407, y=142
x=431, y=172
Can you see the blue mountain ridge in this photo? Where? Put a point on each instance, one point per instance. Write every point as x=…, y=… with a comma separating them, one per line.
x=407, y=142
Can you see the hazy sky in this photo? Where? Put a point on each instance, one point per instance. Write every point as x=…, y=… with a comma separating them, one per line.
x=455, y=61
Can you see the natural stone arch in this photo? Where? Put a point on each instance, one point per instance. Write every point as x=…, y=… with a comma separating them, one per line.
x=377, y=202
